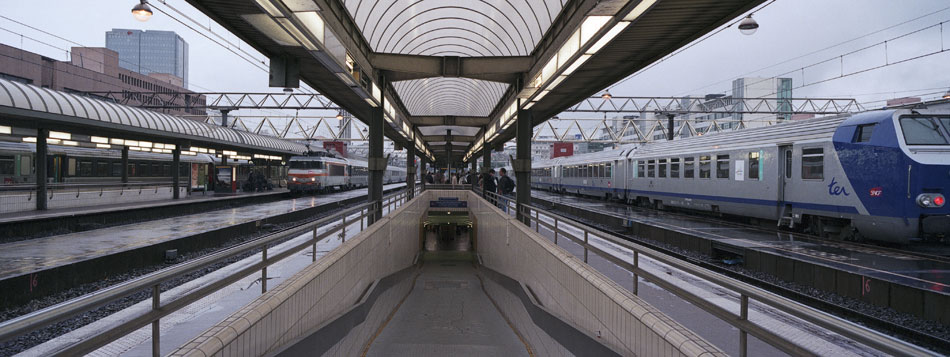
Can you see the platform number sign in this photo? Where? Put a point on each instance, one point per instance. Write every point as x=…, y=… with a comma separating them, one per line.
x=865, y=286
x=34, y=281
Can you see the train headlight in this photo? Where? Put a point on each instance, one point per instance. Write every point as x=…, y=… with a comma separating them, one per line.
x=931, y=200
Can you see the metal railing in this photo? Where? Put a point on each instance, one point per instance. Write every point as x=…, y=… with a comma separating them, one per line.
x=746, y=292
x=45, y=317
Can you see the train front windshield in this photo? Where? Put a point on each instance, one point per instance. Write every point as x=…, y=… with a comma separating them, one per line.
x=925, y=130
x=306, y=165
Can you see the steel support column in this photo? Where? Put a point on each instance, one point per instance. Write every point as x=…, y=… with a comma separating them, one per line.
x=125, y=164
x=40, y=163
x=486, y=164
x=410, y=171
x=176, y=171
x=474, y=173
x=522, y=164
x=377, y=163
x=423, y=173
x=669, y=126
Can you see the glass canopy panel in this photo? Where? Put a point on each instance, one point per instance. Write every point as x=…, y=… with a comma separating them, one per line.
x=450, y=96
x=454, y=28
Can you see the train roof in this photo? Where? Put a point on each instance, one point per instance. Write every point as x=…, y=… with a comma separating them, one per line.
x=787, y=132
x=100, y=153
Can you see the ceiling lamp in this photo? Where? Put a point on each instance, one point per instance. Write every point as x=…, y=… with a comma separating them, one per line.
x=142, y=11
x=748, y=25
x=606, y=95
x=339, y=115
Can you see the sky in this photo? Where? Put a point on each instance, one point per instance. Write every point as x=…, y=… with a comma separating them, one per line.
x=788, y=43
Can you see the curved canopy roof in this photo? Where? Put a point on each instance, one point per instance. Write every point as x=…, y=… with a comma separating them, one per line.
x=463, y=28
x=42, y=103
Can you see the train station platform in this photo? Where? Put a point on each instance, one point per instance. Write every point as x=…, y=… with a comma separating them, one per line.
x=513, y=293
x=909, y=282
x=61, y=261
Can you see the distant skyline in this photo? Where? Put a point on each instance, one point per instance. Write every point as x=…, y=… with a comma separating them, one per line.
x=788, y=29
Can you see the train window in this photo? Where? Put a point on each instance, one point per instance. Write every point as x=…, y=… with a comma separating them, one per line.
x=813, y=164
x=722, y=166
x=7, y=166
x=609, y=170
x=662, y=168
x=167, y=170
x=863, y=133
x=788, y=163
x=156, y=170
x=116, y=169
x=141, y=169
x=704, y=166
x=102, y=169
x=651, y=168
x=184, y=170
x=922, y=131
x=674, y=167
x=602, y=171
x=688, y=167
x=641, y=169
x=71, y=167
x=132, y=170
x=85, y=168
x=336, y=170
x=753, y=165
x=26, y=165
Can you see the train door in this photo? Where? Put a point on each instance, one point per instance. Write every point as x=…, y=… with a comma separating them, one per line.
x=785, y=166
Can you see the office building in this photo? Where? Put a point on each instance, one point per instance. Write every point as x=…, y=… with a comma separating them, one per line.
x=148, y=52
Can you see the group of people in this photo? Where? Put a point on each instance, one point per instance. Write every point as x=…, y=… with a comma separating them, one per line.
x=455, y=178
x=503, y=185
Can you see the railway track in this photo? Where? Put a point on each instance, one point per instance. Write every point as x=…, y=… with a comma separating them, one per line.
x=775, y=284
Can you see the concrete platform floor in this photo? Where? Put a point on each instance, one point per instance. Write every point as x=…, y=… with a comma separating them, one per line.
x=447, y=313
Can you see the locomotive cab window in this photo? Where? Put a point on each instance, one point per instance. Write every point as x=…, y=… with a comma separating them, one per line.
x=722, y=166
x=813, y=164
x=922, y=131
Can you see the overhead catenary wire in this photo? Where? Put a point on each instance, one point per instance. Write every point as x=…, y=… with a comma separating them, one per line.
x=823, y=49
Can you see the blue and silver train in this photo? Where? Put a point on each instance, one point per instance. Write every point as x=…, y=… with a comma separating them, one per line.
x=880, y=175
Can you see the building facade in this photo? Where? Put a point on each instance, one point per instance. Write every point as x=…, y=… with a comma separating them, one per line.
x=91, y=69
x=148, y=52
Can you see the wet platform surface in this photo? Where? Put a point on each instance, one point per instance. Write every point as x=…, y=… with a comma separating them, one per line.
x=23, y=257
x=96, y=209
x=881, y=263
x=447, y=313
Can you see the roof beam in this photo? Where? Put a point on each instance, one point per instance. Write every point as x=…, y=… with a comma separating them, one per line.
x=400, y=67
x=449, y=120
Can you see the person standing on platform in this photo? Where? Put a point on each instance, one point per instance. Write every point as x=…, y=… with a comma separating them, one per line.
x=489, y=185
x=505, y=187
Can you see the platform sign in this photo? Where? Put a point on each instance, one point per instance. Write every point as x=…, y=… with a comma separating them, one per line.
x=448, y=204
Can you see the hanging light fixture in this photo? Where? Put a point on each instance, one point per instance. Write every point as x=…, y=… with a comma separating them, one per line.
x=339, y=115
x=606, y=95
x=142, y=11
x=748, y=25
